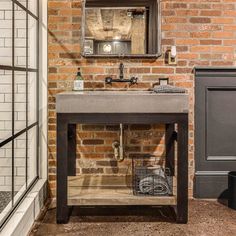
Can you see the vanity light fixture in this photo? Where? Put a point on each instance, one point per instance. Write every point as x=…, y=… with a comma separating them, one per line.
x=172, y=56
x=107, y=48
x=117, y=38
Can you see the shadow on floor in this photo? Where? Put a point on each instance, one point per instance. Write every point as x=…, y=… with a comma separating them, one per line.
x=100, y=214
x=223, y=198
x=124, y=214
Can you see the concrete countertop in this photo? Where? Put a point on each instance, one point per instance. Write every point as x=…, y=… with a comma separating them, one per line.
x=121, y=102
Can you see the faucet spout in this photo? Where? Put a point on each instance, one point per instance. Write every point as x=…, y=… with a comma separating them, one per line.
x=121, y=68
x=118, y=146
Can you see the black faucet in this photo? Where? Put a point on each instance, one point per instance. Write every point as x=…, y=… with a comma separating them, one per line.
x=121, y=68
x=132, y=80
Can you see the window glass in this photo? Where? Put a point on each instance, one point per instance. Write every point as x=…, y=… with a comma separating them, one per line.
x=22, y=2
x=32, y=98
x=20, y=101
x=33, y=7
x=19, y=166
x=6, y=32
x=32, y=43
x=32, y=155
x=20, y=37
x=5, y=104
x=5, y=180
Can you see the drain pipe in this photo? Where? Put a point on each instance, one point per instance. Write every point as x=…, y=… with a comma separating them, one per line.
x=119, y=146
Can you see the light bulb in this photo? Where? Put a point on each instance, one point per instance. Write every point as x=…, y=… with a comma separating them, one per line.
x=173, y=51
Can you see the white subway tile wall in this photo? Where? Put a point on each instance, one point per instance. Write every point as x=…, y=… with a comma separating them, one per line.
x=5, y=33
x=32, y=154
x=20, y=171
x=20, y=101
x=32, y=35
x=22, y=2
x=32, y=5
x=20, y=37
x=6, y=167
x=32, y=97
x=5, y=105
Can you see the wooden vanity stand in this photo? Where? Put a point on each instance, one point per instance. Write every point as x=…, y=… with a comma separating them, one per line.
x=66, y=161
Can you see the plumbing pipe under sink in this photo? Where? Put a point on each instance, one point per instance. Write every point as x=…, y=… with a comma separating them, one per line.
x=118, y=146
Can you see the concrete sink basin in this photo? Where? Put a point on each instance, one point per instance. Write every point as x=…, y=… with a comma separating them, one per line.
x=121, y=102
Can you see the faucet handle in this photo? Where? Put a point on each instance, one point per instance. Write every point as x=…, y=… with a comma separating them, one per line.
x=133, y=80
x=108, y=80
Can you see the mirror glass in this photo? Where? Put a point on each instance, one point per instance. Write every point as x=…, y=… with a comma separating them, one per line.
x=116, y=31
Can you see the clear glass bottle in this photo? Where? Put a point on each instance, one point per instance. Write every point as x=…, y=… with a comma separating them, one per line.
x=79, y=81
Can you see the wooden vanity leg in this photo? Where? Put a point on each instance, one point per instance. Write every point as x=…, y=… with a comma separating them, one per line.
x=170, y=148
x=62, y=170
x=72, y=149
x=182, y=172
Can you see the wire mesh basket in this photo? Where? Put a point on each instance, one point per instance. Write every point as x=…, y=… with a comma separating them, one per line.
x=151, y=179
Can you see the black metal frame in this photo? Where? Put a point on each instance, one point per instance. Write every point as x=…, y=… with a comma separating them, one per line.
x=26, y=69
x=66, y=146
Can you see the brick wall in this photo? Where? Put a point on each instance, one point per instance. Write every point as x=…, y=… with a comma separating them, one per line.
x=204, y=33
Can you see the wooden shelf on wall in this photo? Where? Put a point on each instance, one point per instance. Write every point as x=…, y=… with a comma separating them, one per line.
x=109, y=190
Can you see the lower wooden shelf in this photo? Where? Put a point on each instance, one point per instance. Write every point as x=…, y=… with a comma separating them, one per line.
x=109, y=190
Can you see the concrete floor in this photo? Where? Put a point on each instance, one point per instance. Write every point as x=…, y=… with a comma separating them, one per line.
x=205, y=218
x=5, y=198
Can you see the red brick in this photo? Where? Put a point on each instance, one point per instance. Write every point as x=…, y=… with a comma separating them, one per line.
x=222, y=20
x=168, y=13
x=210, y=42
x=70, y=12
x=93, y=141
x=199, y=49
x=176, y=5
x=223, y=34
x=187, y=41
x=211, y=13
x=188, y=56
x=58, y=4
x=58, y=19
x=187, y=12
x=230, y=42
x=200, y=6
x=139, y=70
x=176, y=20
x=222, y=49
x=200, y=20
x=229, y=13
x=184, y=70
x=93, y=70
x=163, y=70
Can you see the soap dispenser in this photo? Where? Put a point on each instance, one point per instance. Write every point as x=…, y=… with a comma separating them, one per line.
x=78, y=82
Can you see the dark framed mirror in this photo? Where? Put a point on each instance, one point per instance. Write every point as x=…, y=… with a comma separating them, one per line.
x=129, y=29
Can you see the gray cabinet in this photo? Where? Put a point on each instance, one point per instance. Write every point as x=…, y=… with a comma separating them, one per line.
x=215, y=130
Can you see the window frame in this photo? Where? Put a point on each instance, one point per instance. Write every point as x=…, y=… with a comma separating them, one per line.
x=26, y=69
